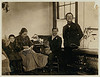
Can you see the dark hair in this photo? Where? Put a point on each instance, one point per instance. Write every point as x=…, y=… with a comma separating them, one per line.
x=54, y=28
x=22, y=31
x=68, y=13
x=11, y=35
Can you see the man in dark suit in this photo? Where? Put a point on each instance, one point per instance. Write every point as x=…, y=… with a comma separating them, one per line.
x=55, y=42
x=72, y=34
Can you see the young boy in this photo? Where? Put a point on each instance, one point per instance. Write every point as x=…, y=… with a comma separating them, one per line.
x=15, y=59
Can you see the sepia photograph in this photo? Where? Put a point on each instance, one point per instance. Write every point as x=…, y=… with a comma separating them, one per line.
x=50, y=38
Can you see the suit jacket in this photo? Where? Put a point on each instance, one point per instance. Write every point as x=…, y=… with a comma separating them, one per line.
x=72, y=33
x=55, y=44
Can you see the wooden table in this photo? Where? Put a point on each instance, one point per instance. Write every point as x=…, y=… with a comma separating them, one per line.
x=87, y=60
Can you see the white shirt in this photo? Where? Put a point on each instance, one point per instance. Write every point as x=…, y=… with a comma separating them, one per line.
x=53, y=37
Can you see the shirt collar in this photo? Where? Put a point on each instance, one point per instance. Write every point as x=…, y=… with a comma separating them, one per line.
x=53, y=37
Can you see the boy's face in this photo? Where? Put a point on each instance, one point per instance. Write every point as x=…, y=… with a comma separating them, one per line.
x=12, y=39
x=54, y=32
x=69, y=17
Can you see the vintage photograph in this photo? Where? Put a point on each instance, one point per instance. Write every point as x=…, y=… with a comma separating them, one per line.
x=50, y=38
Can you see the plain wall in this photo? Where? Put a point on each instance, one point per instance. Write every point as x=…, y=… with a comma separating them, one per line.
x=37, y=17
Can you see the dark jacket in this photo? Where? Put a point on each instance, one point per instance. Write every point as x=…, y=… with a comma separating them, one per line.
x=20, y=42
x=72, y=33
x=11, y=51
x=55, y=44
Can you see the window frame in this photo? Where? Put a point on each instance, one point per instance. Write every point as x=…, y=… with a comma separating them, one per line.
x=76, y=10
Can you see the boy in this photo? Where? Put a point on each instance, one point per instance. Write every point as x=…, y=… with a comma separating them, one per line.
x=11, y=51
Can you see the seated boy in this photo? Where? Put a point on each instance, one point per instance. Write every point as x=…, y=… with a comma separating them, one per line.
x=11, y=51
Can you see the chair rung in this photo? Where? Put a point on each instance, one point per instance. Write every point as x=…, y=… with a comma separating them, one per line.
x=55, y=66
x=55, y=63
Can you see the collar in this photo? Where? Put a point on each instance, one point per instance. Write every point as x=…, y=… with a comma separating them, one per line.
x=53, y=37
x=70, y=23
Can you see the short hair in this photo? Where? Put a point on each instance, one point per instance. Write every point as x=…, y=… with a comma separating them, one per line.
x=22, y=31
x=68, y=13
x=11, y=36
x=54, y=28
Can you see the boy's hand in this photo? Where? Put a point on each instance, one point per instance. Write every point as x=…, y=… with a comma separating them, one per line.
x=26, y=47
x=32, y=46
x=7, y=42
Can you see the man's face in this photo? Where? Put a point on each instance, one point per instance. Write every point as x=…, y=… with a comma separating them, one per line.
x=69, y=17
x=12, y=39
x=24, y=34
x=54, y=32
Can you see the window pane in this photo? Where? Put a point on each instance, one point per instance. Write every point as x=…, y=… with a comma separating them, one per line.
x=73, y=11
x=61, y=3
x=67, y=9
x=61, y=12
x=72, y=1
x=67, y=2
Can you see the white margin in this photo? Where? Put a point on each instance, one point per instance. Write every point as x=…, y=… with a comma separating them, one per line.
x=98, y=3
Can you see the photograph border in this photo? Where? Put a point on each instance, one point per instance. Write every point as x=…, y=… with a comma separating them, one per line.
x=97, y=3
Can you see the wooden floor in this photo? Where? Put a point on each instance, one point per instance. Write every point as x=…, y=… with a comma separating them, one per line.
x=69, y=71
x=46, y=72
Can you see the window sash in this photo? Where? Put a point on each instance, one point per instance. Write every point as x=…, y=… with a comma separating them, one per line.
x=64, y=5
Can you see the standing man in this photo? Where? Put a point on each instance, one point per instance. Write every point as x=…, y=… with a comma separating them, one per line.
x=55, y=42
x=72, y=34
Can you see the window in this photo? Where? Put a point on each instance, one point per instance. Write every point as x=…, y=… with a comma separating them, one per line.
x=64, y=7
